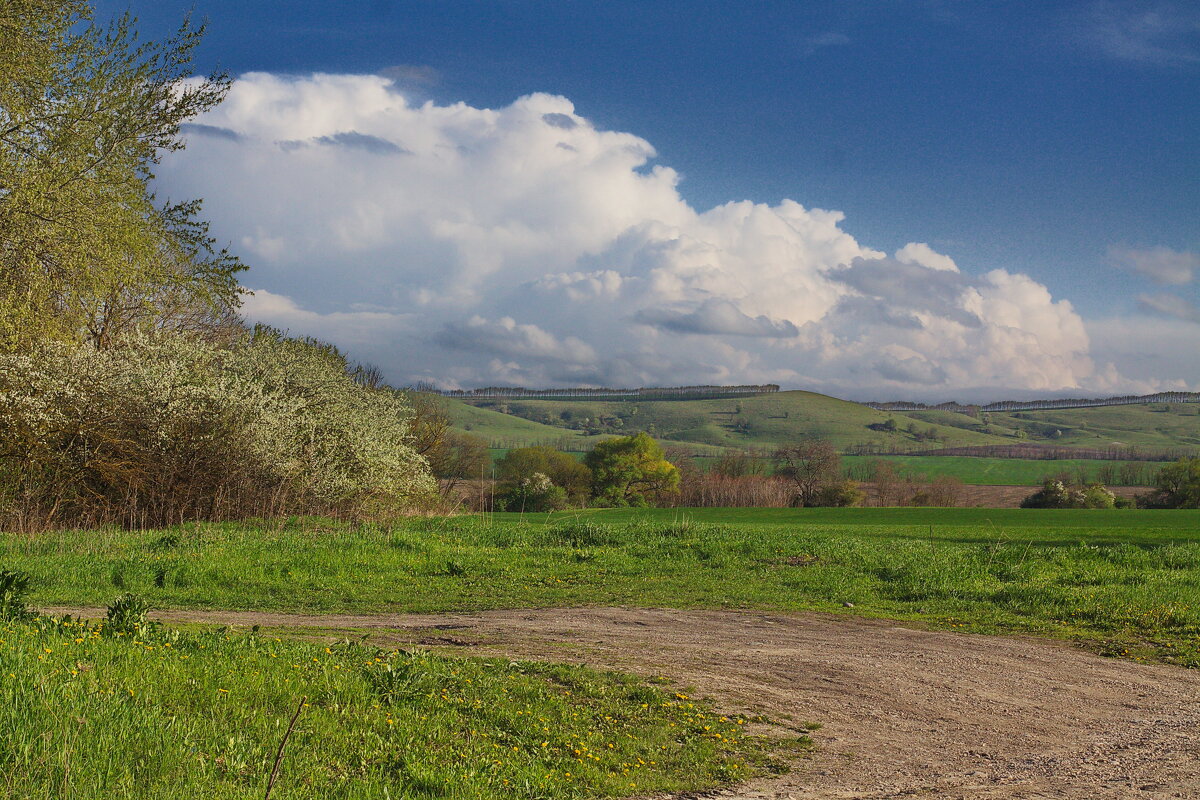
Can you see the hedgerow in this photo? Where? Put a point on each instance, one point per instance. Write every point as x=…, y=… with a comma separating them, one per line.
x=169, y=427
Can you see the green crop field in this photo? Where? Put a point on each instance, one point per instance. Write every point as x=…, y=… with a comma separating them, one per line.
x=997, y=471
x=1120, y=580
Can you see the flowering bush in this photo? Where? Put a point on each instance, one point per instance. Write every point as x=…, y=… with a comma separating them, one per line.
x=534, y=494
x=1056, y=494
x=165, y=428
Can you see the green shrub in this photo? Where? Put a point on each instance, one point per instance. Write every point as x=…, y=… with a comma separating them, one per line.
x=562, y=469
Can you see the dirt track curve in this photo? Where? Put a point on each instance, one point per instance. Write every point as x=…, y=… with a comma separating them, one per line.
x=905, y=713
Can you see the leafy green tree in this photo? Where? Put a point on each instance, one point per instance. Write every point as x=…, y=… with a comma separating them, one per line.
x=631, y=471
x=563, y=470
x=87, y=253
x=1178, y=485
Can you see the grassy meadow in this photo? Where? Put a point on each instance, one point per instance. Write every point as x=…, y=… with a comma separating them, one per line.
x=89, y=712
x=1123, y=582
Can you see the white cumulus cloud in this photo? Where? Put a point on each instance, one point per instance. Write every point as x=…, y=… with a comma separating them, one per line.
x=473, y=246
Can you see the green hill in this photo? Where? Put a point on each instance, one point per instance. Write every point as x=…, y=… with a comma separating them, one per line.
x=763, y=421
x=505, y=430
x=766, y=421
x=1154, y=426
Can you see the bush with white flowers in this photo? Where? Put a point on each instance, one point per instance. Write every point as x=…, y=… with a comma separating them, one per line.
x=166, y=428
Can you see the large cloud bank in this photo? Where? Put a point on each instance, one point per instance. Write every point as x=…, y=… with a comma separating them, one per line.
x=522, y=245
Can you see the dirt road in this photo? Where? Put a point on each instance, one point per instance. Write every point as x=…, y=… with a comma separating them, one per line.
x=905, y=713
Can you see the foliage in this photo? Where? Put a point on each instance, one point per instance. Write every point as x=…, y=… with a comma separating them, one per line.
x=1057, y=494
x=631, y=471
x=944, y=491
x=1178, y=485
x=127, y=615
x=534, y=494
x=714, y=490
x=86, y=251
x=14, y=588
x=838, y=494
x=563, y=470
x=202, y=714
x=168, y=427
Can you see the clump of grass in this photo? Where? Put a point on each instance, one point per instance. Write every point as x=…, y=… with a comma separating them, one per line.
x=127, y=615
x=168, y=715
x=14, y=589
x=575, y=534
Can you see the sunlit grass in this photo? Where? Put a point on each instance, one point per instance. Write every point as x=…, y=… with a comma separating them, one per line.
x=1118, y=581
x=166, y=715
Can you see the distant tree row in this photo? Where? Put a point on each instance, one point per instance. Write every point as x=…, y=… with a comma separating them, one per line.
x=667, y=393
x=1042, y=405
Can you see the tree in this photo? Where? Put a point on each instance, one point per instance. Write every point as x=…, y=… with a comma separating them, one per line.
x=87, y=253
x=563, y=470
x=631, y=471
x=430, y=422
x=457, y=457
x=887, y=483
x=738, y=464
x=809, y=465
x=1178, y=485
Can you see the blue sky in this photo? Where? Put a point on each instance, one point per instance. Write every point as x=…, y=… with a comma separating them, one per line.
x=1060, y=140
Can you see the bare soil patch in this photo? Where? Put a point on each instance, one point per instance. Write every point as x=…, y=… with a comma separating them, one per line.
x=905, y=712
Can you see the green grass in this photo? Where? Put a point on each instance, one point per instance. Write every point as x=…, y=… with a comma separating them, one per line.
x=507, y=430
x=990, y=471
x=165, y=715
x=1153, y=426
x=1115, y=580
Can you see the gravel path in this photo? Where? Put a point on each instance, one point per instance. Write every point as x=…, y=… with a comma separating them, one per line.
x=905, y=712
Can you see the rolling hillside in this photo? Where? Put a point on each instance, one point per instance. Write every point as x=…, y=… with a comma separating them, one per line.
x=759, y=422
x=766, y=421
